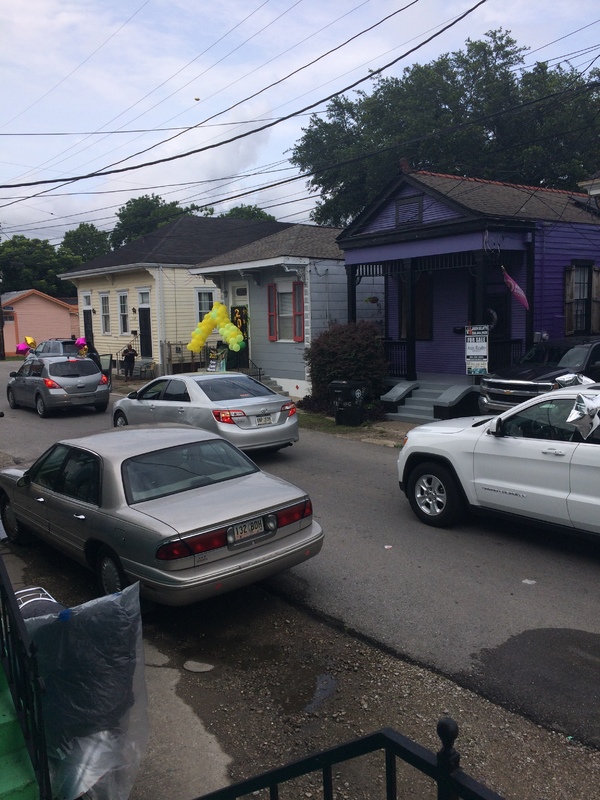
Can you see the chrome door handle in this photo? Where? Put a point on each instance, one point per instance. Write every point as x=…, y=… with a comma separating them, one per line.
x=79, y=516
x=552, y=451
x=39, y=500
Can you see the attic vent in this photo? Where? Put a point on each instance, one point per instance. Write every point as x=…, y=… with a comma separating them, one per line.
x=409, y=211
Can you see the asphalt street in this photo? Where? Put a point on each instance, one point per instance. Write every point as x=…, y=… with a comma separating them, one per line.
x=510, y=612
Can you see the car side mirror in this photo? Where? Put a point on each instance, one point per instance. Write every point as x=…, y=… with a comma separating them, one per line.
x=12, y=374
x=495, y=428
x=132, y=395
x=23, y=481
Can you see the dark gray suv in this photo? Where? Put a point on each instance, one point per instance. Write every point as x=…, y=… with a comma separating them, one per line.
x=57, y=382
x=54, y=347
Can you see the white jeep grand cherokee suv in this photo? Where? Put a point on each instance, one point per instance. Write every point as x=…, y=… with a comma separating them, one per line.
x=528, y=463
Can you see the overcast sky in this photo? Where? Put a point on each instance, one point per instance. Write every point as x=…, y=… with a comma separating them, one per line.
x=89, y=84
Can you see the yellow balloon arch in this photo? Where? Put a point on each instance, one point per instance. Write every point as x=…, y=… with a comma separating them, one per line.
x=217, y=317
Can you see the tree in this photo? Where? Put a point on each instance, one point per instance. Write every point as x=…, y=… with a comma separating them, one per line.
x=87, y=241
x=35, y=264
x=145, y=214
x=473, y=112
x=248, y=212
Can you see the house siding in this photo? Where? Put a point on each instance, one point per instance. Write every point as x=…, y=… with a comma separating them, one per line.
x=433, y=211
x=555, y=247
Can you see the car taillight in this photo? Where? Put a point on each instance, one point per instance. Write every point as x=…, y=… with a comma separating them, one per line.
x=294, y=513
x=50, y=384
x=103, y=380
x=227, y=417
x=290, y=408
x=192, y=545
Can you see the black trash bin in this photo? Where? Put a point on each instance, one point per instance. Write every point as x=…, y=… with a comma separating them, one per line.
x=348, y=398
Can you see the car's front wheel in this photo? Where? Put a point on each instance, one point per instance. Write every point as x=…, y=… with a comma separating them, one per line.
x=10, y=396
x=14, y=530
x=434, y=495
x=111, y=576
x=40, y=406
x=120, y=420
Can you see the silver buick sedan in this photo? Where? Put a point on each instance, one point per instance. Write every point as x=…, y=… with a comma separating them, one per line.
x=245, y=412
x=178, y=509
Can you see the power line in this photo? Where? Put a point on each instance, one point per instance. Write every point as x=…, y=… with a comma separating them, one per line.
x=167, y=159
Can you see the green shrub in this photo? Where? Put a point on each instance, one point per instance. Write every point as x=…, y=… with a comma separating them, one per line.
x=347, y=352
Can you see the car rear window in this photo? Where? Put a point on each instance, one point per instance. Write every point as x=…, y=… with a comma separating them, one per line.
x=73, y=369
x=178, y=469
x=219, y=389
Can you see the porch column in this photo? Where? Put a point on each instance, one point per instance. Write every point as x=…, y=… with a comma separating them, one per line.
x=351, y=291
x=411, y=320
x=479, y=299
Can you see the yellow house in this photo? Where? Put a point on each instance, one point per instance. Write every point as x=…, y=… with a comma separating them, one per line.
x=144, y=292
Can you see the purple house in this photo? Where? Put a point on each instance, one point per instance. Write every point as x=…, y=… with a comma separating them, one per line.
x=448, y=247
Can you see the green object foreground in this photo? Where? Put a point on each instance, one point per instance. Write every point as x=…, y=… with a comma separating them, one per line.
x=17, y=778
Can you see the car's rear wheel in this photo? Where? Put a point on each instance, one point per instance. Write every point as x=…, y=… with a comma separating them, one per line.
x=40, y=406
x=101, y=407
x=15, y=532
x=120, y=420
x=10, y=396
x=434, y=495
x=111, y=576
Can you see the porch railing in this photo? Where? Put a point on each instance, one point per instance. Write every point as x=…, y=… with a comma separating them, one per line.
x=19, y=662
x=395, y=355
x=443, y=768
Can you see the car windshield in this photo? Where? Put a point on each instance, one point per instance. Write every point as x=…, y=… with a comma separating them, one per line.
x=73, y=369
x=574, y=358
x=234, y=388
x=549, y=354
x=178, y=469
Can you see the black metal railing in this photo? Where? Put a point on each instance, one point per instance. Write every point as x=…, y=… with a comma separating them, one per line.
x=443, y=768
x=18, y=657
x=395, y=355
x=504, y=353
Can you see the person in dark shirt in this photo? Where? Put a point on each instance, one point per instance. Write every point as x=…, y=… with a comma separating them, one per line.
x=129, y=356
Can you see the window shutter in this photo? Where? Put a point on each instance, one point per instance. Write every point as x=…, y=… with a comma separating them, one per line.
x=298, y=310
x=569, y=301
x=272, y=311
x=595, y=300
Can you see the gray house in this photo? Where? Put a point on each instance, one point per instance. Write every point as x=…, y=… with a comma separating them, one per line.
x=282, y=291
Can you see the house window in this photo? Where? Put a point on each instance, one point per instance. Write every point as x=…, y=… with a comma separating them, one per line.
x=105, y=313
x=123, y=313
x=143, y=297
x=286, y=312
x=205, y=301
x=582, y=298
x=409, y=211
x=86, y=300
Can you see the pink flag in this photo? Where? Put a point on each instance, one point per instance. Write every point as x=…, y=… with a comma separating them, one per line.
x=515, y=289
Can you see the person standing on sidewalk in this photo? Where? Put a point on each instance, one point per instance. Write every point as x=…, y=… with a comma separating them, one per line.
x=129, y=356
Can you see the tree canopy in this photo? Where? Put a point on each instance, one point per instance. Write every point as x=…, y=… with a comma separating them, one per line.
x=144, y=214
x=248, y=212
x=473, y=112
x=87, y=241
x=35, y=264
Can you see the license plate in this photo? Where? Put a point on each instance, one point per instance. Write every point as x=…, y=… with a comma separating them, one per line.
x=244, y=530
x=264, y=420
x=80, y=399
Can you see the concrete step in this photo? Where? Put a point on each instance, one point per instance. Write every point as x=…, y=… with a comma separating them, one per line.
x=17, y=778
x=415, y=418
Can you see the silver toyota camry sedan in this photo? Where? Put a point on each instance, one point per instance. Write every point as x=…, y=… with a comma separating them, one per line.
x=240, y=409
x=178, y=509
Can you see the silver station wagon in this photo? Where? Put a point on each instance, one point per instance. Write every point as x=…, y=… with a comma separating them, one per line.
x=245, y=412
x=178, y=509
x=58, y=382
